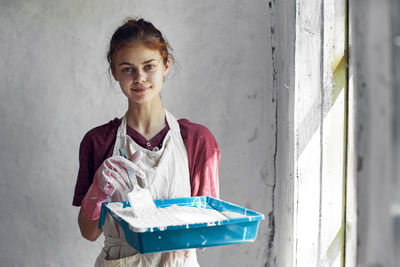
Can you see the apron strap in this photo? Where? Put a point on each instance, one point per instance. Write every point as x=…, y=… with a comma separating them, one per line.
x=172, y=122
x=120, y=139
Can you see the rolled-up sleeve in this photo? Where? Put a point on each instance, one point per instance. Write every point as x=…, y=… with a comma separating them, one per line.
x=204, y=158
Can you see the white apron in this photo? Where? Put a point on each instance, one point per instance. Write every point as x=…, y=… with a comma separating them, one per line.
x=167, y=173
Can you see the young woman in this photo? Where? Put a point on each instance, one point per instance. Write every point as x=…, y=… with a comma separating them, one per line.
x=173, y=158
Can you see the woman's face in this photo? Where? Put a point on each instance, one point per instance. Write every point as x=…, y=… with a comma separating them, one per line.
x=140, y=72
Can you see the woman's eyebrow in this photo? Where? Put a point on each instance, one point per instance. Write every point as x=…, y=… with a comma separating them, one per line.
x=130, y=64
x=125, y=63
x=148, y=61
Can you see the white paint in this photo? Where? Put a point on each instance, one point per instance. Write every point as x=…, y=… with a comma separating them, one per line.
x=231, y=214
x=142, y=204
x=169, y=216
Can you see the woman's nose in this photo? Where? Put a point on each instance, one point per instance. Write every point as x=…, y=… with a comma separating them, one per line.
x=139, y=77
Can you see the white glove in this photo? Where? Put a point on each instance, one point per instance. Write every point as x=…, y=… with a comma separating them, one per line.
x=111, y=182
x=113, y=176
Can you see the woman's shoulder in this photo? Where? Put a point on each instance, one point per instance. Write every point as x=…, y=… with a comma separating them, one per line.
x=195, y=131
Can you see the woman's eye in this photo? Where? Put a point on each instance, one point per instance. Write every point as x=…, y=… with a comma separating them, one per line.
x=127, y=70
x=149, y=67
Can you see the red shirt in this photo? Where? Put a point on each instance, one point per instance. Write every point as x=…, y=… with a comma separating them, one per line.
x=202, y=149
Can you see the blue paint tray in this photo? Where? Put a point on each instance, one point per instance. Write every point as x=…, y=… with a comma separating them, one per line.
x=239, y=225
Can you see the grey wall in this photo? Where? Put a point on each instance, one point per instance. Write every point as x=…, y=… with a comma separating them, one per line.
x=54, y=87
x=395, y=30
x=373, y=77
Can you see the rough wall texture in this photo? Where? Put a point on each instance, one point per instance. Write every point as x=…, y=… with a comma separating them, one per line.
x=395, y=29
x=371, y=53
x=54, y=87
x=282, y=15
x=320, y=107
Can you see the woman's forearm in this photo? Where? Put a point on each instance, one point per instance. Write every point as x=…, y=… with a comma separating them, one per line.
x=89, y=229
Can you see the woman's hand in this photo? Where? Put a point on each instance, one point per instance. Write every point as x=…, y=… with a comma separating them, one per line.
x=111, y=177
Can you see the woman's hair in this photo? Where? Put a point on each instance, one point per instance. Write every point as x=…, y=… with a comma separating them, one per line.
x=138, y=31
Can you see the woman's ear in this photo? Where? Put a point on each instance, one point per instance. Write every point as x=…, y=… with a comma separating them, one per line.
x=166, y=68
x=113, y=74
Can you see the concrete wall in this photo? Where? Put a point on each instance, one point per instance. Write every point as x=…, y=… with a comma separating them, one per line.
x=372, y=164
x=235, y=74
x=320, y=128
x=283, y=54
x=54, y=87
x=395, y=30
x=376, y=179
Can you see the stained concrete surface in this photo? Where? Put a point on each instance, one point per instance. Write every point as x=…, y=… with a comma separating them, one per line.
x=235, y=75
x=371, y=55
x=55, y=87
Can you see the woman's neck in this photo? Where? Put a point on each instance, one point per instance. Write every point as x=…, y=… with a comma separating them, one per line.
x=147, y=119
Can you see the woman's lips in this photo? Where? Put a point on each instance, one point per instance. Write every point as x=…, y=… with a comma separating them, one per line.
x=140, y=90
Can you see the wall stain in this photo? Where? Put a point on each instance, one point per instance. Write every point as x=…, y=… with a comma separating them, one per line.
x=271, y=258
x=308, y=31
x=264, y=177
x=254, y=136
x=253, y=96
x=359, y=163
x=271, y=261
